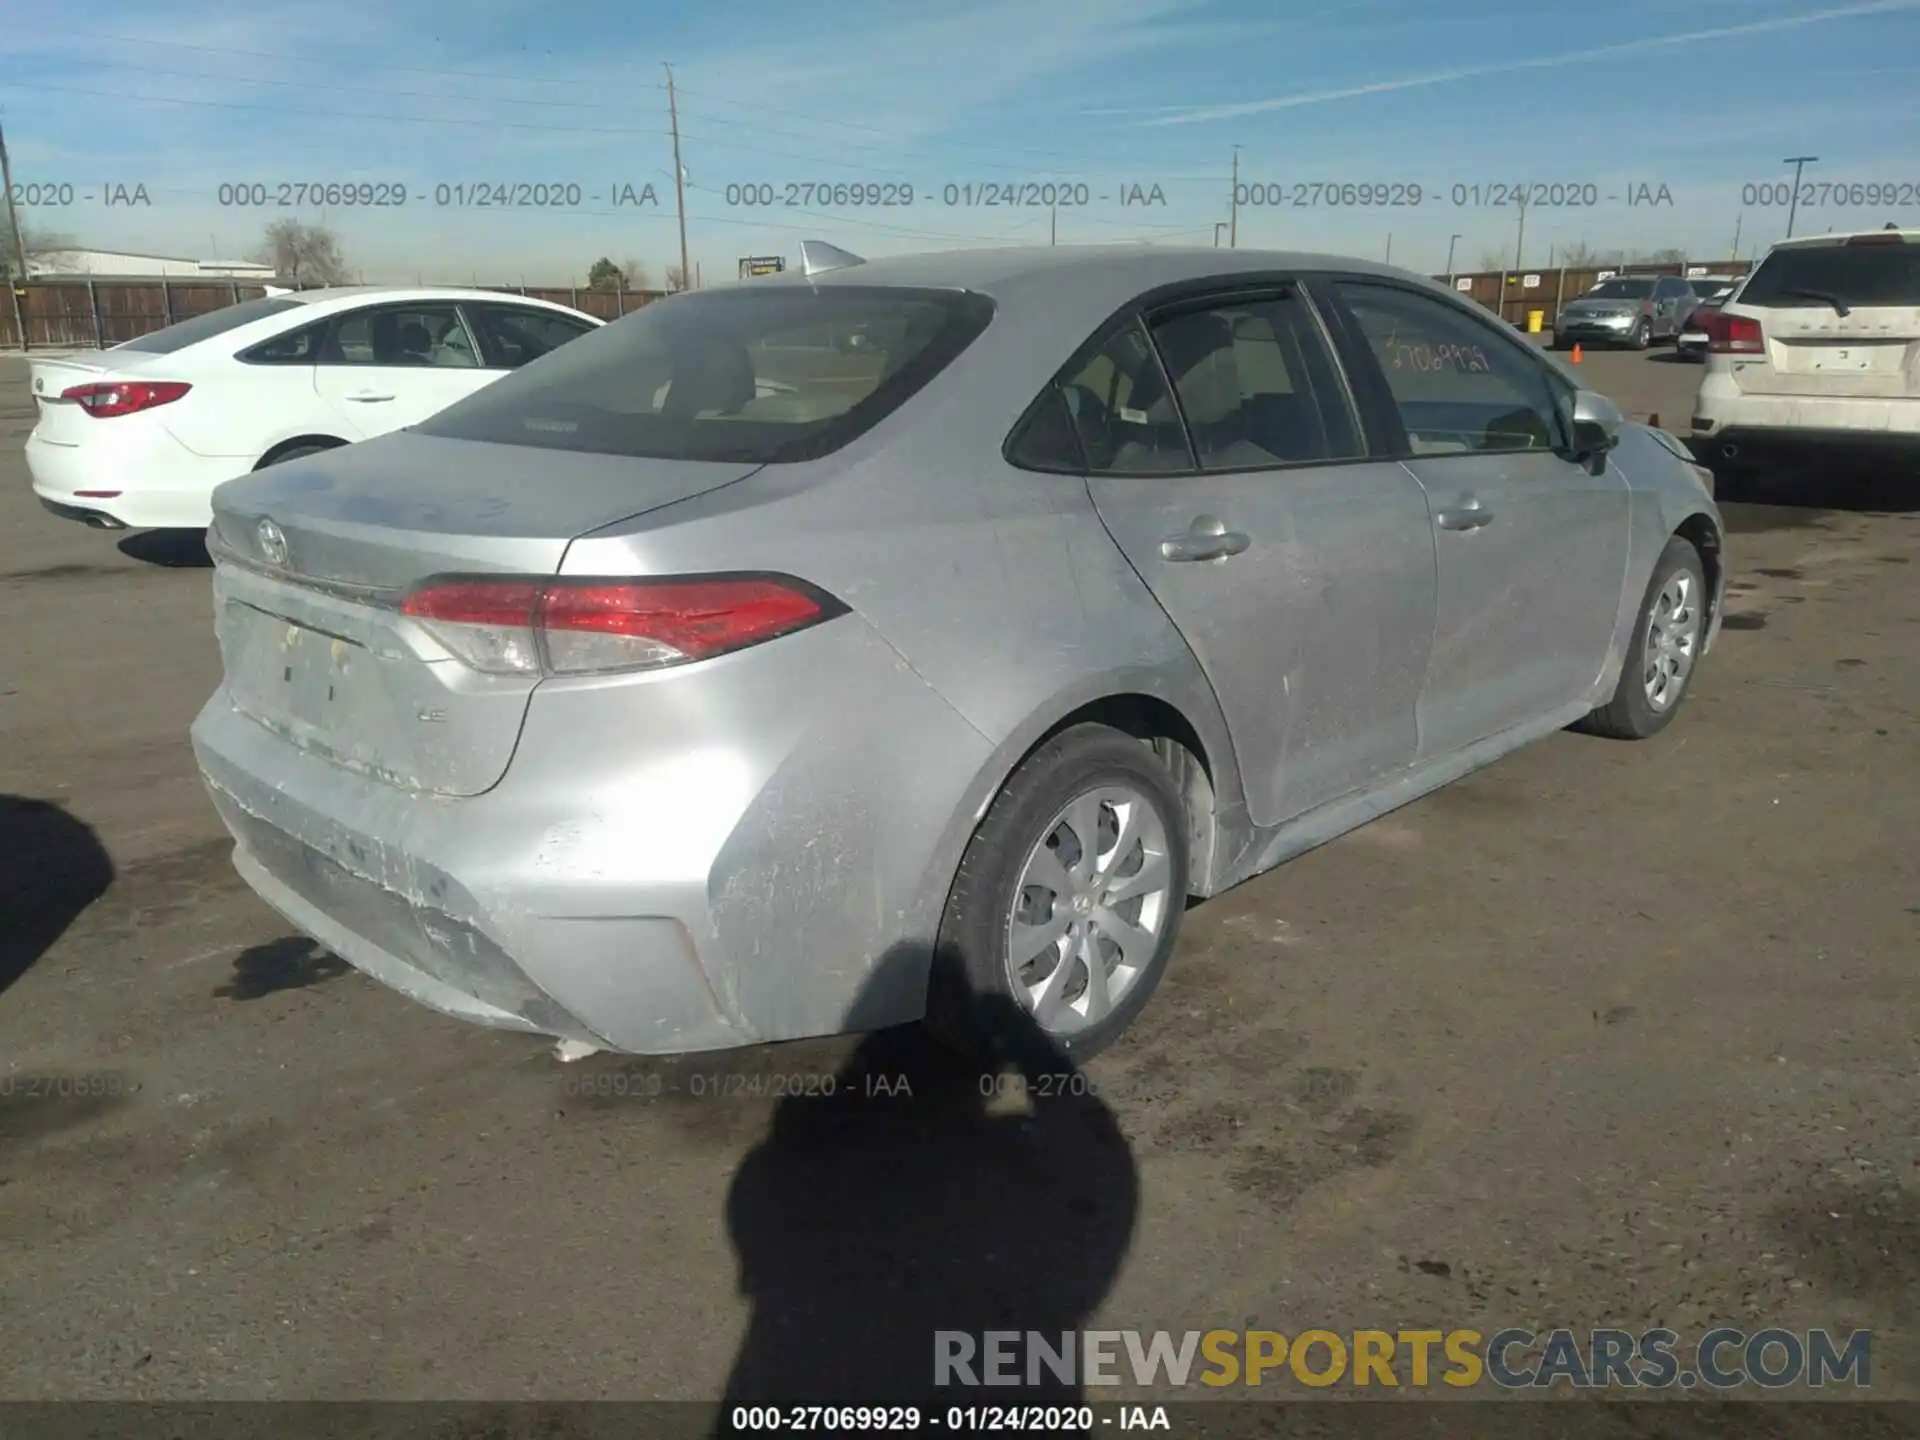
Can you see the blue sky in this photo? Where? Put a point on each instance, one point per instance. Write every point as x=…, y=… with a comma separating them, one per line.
x=1703, y=97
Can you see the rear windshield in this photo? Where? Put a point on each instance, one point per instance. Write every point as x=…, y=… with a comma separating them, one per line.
x=205, y=327
x=1621, y=290
x=1878, y=274
x=759, y=374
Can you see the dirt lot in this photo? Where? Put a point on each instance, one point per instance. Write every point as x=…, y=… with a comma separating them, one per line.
x=1606, y=1035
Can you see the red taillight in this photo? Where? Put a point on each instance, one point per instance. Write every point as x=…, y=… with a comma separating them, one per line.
x=582, y=627
x=107, y=398
x=1732, y=334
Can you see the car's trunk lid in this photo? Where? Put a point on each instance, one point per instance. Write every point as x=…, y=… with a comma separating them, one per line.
x=1872, y=352
x=314, y=558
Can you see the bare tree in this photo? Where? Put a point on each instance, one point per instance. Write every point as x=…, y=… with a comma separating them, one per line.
x=40, y=243
x=1579, y=256
x=676, y=278
x=636, y=274
x=304, y=254
x=1670, y=255
x=1493, y=258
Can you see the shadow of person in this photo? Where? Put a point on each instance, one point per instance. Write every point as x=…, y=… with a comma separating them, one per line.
x=926, y=1193
x=52, y=867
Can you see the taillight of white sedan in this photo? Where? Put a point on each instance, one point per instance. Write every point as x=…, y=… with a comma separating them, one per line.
x=139, y=436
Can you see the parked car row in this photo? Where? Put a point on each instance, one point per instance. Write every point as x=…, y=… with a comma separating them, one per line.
x=1635, y=310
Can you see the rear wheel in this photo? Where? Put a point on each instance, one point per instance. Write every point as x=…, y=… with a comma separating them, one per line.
x=1068, y=901
x=1666, y=645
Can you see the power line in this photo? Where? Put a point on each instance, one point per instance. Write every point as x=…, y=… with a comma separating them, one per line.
x=340, y=114
x=625, y=105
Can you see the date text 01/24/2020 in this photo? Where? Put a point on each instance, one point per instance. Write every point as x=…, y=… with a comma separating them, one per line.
x=462, y=195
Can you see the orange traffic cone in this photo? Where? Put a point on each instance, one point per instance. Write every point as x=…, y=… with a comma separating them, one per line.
x=1576, y=353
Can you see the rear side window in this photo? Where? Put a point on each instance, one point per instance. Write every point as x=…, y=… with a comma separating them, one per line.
x=205, y=327
x=1816, y=275
x=296, y=347
x=760, y=375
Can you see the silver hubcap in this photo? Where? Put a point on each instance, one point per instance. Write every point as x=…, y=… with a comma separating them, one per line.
x=1673, y=633
x=1088, y=909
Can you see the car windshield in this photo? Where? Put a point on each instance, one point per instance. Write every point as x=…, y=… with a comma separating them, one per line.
x=1621, y=290
x=205, y=327
x=760, y=375
x=1816, y=275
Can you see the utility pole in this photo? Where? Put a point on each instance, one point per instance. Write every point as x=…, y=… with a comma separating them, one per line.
x=1389, y=259
x=1233, y=224
x=679, y=179
x=1452, y=240
x=13, y=210
x=1735, y=254
x=1053, y=225
x=1798, y=162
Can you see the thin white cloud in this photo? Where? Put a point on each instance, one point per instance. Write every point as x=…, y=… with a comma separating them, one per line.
x=1537, y=62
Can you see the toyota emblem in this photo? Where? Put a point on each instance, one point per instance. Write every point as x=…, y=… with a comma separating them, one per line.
x=273, y=543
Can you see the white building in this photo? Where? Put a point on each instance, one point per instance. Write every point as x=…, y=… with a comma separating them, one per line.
x=123, y=265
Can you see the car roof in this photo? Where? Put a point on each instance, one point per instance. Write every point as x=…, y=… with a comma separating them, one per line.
x=410, y=292
x=1812, y=242
x=1091, y=274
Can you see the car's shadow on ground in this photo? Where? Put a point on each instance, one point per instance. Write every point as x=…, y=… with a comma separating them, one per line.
x=52, y=867
x=925, y=1193
x=173, y=549
x=1806, y=497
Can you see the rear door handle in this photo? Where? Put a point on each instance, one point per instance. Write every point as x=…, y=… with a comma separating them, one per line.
x=1206, y=539
x=368, y=396
x=1470, y=516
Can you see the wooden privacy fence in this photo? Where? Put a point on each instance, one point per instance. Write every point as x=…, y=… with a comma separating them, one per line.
x=93, y=314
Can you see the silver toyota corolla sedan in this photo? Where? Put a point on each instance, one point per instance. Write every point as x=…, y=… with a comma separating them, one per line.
x=985, y=605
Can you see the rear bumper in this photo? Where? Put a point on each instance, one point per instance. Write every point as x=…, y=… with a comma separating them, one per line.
x=161, y=485
x=644, y=879
x=1763, y=445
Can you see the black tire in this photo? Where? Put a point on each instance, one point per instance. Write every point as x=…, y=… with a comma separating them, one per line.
x=294, y=454
x=972, y=1004
x=1630, y=715
x=1642, y=334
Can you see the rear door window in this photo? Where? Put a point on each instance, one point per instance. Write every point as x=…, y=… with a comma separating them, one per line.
x=763, y=374
x=1813, y=276
x=415, y=335
x=1257, y=385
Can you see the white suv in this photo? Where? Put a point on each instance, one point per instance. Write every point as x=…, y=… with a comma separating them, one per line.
x=1819, y=353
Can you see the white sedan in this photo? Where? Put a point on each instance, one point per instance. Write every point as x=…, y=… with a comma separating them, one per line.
x=139, y=435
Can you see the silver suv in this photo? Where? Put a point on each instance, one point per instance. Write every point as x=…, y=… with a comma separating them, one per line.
x=1633, y=310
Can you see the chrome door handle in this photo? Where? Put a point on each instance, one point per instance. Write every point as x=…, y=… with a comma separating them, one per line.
x=1206, y=539
x=368, y=395
x=1467, y=517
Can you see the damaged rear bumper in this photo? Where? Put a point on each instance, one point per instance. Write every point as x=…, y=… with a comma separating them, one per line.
x=659, y=872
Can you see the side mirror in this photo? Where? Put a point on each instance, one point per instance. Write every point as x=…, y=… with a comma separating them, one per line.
x=1596, y=424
